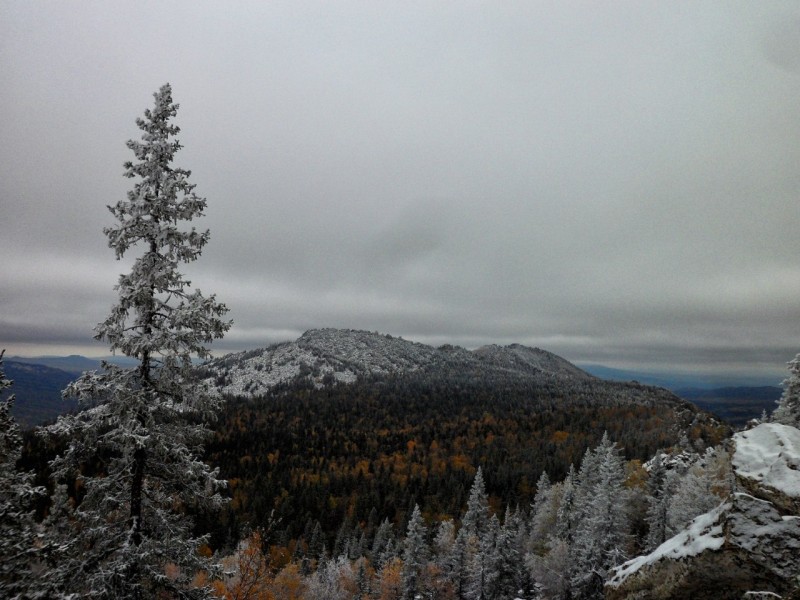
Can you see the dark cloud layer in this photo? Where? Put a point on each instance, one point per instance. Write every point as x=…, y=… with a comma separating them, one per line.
x=616, y=182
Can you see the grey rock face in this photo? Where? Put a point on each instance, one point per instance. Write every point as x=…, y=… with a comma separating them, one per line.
x=747, y=548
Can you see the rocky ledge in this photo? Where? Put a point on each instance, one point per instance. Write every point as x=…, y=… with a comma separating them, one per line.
x=748, y=547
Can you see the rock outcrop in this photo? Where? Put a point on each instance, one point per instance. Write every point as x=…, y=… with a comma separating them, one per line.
x=748, y=547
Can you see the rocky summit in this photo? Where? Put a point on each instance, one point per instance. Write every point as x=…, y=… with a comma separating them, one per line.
x=324, y=356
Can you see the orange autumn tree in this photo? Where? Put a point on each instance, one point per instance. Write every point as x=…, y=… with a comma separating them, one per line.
x=246, y=573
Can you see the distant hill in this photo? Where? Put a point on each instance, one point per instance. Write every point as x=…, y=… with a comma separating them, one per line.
x=327, y=356
x=736, y=405
x=37, y=389
x=39, y=381
x=74, y=363
x=734, y=398
x=676, y=381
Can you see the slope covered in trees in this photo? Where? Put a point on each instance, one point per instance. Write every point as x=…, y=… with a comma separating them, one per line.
x=38, y=393
x=343, y=452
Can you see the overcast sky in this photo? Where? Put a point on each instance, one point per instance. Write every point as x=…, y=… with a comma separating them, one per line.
x=617, y=182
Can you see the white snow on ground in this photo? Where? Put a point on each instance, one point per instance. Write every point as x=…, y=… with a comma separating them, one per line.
x=704, y=533
x=770, y=455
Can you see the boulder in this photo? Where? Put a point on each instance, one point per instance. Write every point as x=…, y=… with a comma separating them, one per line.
x=766, y=463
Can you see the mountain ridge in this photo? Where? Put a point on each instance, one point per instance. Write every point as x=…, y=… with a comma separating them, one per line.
x=37, y=391
x=325, y=356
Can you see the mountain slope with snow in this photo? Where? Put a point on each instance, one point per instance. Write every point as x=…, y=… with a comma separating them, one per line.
x=338, y=355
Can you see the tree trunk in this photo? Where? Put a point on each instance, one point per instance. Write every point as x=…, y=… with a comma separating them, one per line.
x=137, y=489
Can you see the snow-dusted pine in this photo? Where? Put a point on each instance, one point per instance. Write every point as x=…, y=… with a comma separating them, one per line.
x=20, y=548
x=415, y=554
x=602, y=534
x=135, y=447
x=788, y=411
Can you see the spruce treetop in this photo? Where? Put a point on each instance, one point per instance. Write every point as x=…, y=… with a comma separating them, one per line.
x=157, y=314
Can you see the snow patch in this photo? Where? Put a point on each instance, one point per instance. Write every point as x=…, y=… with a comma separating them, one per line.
x=703, y=533
x=770, y=455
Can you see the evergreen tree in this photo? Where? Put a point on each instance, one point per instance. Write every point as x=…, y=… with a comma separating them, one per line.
x=602, y=533
x=476, y=519
x=471, y=551
x=463, y=548
x=545, y=513
x=316, y=545
x=788, y=411
x=443, y=542
x=415, y=554
x=693, y=496
x=483, y=559
x=362, y=579
x=18, y=529
x=342, y=542
x=566, y=515
x=587, y=478
x=383, y=544
x=508, y=577
x=552, y=571
x=443, y=551
x=660, y=489
x=141, y=431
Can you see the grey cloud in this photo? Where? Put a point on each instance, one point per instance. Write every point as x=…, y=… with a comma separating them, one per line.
x=781, y=43
x=612, y=183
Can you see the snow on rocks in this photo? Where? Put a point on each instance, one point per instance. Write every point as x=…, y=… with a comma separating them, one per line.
x=703, y=533
x=743, y=544
x=750, y=542
x=678, y=461
x=767, y=464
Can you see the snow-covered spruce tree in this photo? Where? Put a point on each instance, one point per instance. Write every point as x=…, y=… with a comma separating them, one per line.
x=17, y=525
x=692, y=496
x=602, y=533
x=477, y=535
x=788, y=411
x=415, y=554
x=661, y=487
x=141, y=432
x=552, y=571
x=476, y=519
x=383, y=547
x=544, y=513
x=510, y=577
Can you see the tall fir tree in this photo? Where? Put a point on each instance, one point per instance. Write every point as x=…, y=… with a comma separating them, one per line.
x=141, y=430
x=544, y=513
x=482, y=563
x=509, y=578
x=566, y=515
x=602, y=534
x=415, y=554
x=693, y=495
x=660, y=488
x=383, y=544
x=476, y=519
